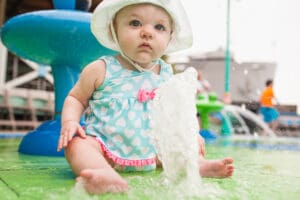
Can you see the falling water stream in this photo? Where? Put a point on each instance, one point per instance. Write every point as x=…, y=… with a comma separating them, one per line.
x=175, y=131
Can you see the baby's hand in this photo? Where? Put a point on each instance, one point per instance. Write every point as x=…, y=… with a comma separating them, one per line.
x=68, y=130
x=201, y=145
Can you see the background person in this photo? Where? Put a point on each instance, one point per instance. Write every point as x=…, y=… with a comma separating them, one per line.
x=267, y=107
x=203, y=87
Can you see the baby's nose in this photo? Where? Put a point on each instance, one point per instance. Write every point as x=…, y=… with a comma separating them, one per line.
x=147, y=32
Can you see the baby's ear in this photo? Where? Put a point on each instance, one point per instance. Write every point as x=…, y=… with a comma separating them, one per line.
x=172, y=37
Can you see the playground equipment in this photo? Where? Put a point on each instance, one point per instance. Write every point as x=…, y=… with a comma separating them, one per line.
x=232, y=119
x=59, y=38
x=205, y=106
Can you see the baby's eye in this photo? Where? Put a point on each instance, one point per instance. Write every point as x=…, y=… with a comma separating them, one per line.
x=135, y=23
x=160, y=27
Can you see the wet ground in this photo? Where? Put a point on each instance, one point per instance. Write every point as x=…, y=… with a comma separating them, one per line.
x=260, y=174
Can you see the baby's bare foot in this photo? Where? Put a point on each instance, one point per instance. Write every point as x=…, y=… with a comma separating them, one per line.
x=217, y=168
x=99, y=181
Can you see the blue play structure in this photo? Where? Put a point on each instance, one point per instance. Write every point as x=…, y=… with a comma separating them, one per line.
x=62, y=39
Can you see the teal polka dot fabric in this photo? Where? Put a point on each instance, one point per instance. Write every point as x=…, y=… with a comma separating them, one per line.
x=118, y=119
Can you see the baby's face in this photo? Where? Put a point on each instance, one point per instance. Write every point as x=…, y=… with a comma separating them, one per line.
x=143, y=31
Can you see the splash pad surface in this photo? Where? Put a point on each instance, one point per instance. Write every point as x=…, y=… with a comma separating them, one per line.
x=259, y=174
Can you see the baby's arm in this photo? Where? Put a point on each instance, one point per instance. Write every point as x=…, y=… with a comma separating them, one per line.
x=77, y=100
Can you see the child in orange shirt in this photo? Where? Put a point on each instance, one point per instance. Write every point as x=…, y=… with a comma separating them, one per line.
x=267, y=109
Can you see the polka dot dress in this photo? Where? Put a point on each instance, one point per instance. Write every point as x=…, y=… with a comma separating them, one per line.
x=118, y=119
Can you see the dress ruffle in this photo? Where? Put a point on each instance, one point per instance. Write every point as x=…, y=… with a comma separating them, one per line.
x=125, y=162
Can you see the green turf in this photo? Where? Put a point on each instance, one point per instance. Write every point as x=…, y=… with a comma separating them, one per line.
x=258, y=175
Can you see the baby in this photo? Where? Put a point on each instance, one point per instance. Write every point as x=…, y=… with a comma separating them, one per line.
x=116, y=93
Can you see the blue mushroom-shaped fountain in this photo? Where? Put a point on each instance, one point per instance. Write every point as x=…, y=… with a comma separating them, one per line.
x=62, y=39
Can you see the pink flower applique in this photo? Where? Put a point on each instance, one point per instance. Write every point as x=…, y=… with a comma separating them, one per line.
x=144, y=95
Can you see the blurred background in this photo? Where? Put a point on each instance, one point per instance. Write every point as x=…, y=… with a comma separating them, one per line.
x=255, y=39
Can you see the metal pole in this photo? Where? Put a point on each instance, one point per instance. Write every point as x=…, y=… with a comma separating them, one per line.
x=227, y=98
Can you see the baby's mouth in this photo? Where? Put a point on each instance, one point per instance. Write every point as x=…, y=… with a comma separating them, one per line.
x=146, y=46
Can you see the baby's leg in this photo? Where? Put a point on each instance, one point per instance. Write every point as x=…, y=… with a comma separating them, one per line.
x=222, y=168
x=87, y=161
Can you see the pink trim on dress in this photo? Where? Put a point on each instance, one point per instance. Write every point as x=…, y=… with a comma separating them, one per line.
x=125, y=162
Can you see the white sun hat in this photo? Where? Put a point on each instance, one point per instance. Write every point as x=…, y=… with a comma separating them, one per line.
x=103, y=15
